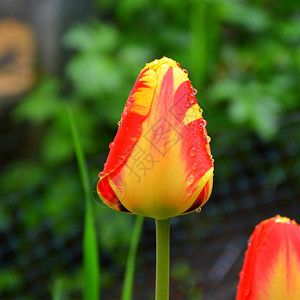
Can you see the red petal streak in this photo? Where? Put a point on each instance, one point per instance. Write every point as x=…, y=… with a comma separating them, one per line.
x=129, y=131
x=195, y=148
x=160, y=110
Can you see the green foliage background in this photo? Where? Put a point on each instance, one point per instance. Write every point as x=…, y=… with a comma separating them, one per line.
x=242, y=56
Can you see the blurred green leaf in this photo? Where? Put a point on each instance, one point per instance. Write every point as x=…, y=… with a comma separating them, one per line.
x=289, y=31
x=10, y=280
x=93, y=75
x=42, y=104
x=57, y=147
x=92, y=38
x=21, y=175
x=127, y=8
x=133, y=58
x=242, y=13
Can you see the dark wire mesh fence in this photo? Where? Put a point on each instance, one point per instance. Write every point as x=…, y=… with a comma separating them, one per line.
x=254, y=180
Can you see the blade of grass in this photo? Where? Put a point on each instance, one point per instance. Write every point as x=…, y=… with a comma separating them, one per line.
x=57, y=290
x=130, y=265
x=90, y=247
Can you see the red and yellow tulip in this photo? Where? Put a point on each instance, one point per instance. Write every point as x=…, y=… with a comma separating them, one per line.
x=271, y=269
x=159, y=164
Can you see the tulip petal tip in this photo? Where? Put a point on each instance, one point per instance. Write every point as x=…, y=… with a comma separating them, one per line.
x=271, y=267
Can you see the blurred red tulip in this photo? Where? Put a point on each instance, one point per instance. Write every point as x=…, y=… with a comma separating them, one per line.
x=271, y=269
x=159, y=164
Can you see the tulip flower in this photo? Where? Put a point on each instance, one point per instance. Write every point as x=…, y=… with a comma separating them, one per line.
x=159, y=164
x=271, y=269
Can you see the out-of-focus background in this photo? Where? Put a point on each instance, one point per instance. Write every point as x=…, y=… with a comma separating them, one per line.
x=243, y=57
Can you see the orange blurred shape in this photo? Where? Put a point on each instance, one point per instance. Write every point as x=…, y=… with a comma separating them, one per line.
x=17, y=57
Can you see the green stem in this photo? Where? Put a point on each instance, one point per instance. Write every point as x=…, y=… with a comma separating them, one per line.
x=162, y=259
x=130, y=266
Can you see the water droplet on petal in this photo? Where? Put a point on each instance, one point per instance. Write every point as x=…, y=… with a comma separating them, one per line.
x=111, y=145
x=198, y=210
x=204, y=123
x=128, y=104
x=195, y=134
x=199, y=145
x=178, y=64
x=100, y=174
x=119, y=123
x=124, y=114
x=185, y=71
x=200, y=110
x=195, y=166
x=190, y=180
x=192, y=100
x=208, y=138
x=193, y=151
x=195, y=91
